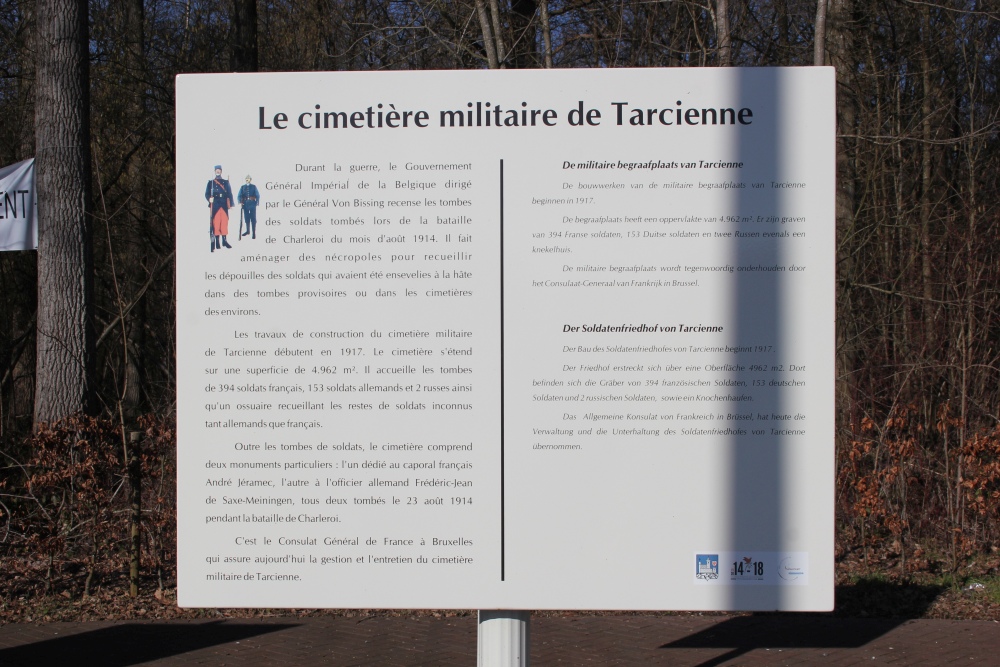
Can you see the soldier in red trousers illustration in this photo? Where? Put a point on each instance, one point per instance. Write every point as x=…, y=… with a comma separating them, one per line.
x=220, y=199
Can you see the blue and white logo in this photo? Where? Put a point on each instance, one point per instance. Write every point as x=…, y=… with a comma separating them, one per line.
x=706, y=566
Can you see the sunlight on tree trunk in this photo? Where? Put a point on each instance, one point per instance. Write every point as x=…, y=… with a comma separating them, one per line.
x=488, y=44
x=722, y=30
x=546, y=34
x=819, y=45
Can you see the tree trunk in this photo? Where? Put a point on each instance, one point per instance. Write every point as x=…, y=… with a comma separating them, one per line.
x=498, y=33
x=842, y=54
x=133, y=452
x=546, y=34
x=25, y=50
x=65, y=359
x=243, y=51
x=722, y=30
x=819, y=43
x=926, y=112
x=488, y=44
x=132, y=241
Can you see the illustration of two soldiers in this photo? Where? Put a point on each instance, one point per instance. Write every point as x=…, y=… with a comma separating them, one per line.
x=220, y=199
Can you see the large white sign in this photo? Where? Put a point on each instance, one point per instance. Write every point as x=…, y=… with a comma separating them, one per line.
x=515, y=339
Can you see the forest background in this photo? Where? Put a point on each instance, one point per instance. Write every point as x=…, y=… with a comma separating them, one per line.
x=87, y=335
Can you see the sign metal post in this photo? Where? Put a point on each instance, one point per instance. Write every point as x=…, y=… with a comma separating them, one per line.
x=504, y=638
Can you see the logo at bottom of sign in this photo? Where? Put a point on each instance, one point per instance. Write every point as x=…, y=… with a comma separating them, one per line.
x=747, y=569
x=766, y=568
x=706, y=566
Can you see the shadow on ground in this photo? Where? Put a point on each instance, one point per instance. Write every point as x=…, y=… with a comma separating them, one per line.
x=132, y=643
x=878, y=598
x=864, y=611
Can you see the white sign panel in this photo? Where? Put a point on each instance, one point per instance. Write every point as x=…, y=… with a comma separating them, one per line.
x=18, y=222
x=516, y=339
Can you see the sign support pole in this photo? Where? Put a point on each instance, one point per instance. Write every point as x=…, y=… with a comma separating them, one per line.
x=504, y=638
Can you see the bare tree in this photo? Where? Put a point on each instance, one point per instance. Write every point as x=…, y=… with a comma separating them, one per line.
x=723, y=33
x=65, y=340
x=243, y=47
x=491, y=43
x=819, y=45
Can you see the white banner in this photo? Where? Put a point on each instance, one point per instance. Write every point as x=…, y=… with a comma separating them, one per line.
x=18, y=220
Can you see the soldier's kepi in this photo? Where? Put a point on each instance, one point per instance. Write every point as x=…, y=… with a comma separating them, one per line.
x=220, y=199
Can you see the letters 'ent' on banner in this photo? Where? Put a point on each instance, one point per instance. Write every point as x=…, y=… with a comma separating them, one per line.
x=18, y=218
